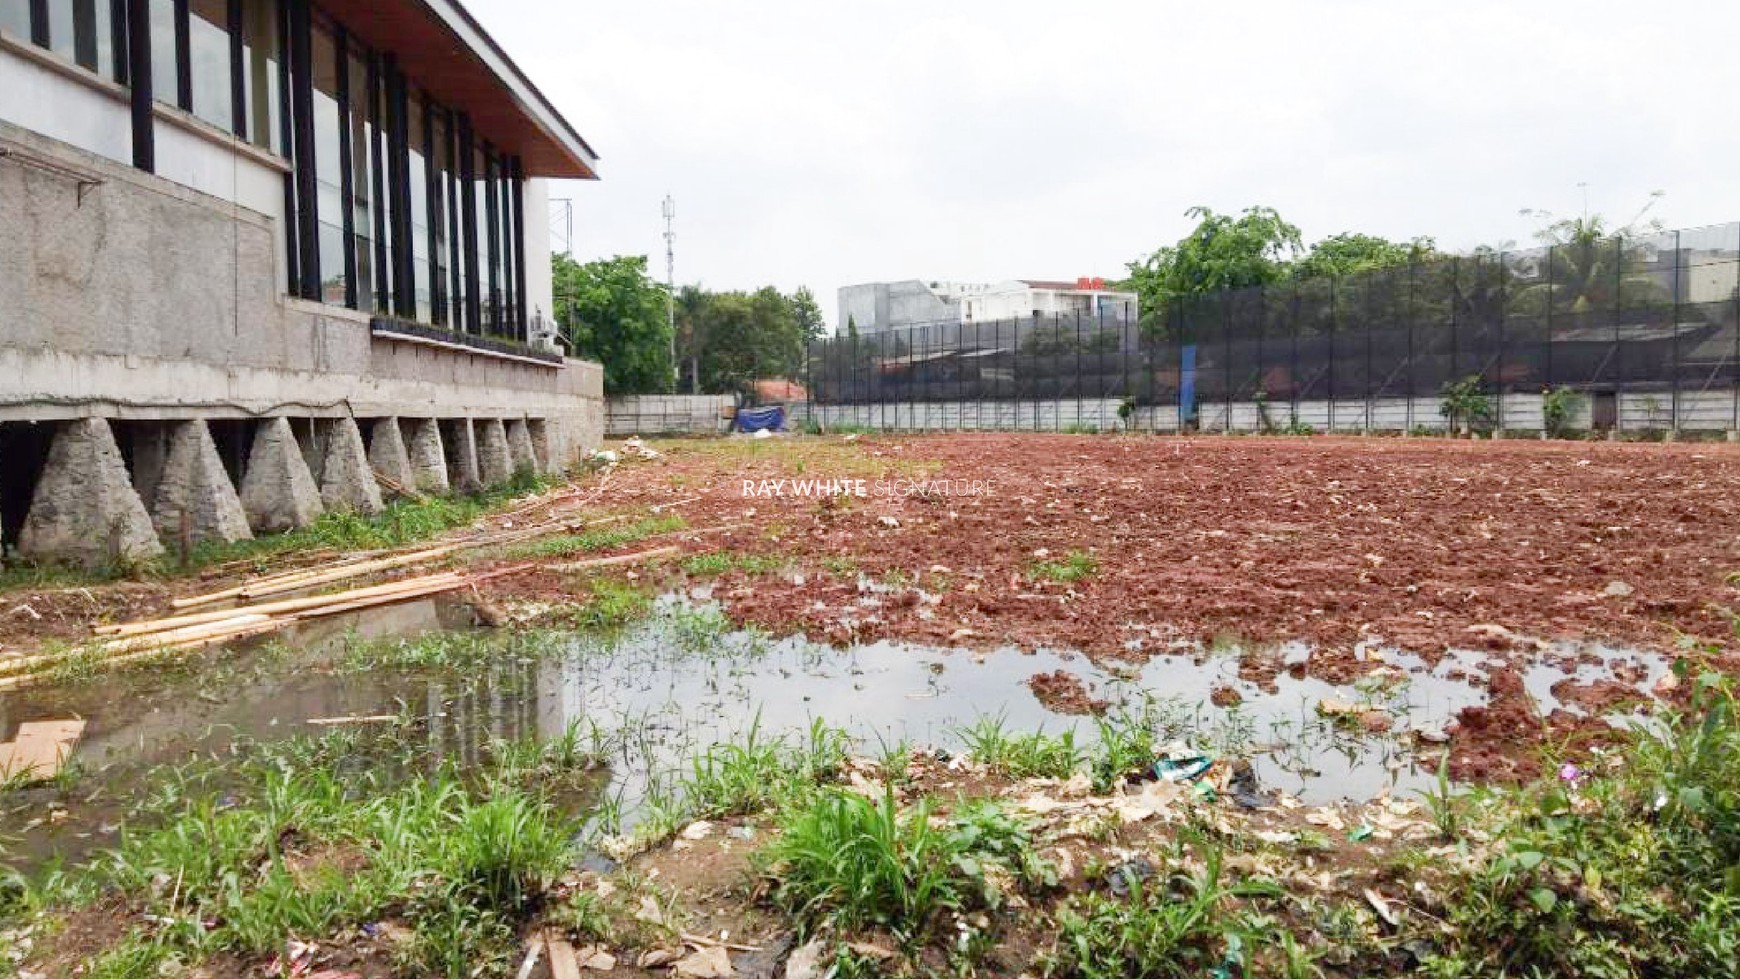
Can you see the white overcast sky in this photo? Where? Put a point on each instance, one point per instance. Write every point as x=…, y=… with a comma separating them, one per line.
x=821, y=143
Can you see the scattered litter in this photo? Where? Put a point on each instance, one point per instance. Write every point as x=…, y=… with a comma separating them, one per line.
x=639, y=450
x=1382, y=907
x=1327, y=818
x=889, y=522
x=27, y=610
x=1185, y=768
x=1129, y=875
x=805, y=961
x=1360, y=833
x=607, y=457
x=1244, y=788
x=1618, y=589
x=353, y=719
x=653, y=958
x=870, y=950
x=761, y=433
x=713, y=962
x=700, y=829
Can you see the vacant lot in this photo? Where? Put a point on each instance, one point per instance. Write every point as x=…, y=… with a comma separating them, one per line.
x=1329, y=541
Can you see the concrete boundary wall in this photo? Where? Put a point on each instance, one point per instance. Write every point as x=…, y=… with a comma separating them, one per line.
x=668, y=414
x=1701, y=412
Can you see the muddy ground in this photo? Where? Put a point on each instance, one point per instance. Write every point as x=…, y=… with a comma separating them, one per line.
x=1125, y=546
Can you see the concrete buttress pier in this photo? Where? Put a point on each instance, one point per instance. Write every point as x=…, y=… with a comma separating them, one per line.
x=347, y=482
x=278, y=492
x=195, y=501
x=84, y=510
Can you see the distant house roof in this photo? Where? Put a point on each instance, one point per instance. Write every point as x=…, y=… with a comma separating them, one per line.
x=779, y=389
x=1048, y=284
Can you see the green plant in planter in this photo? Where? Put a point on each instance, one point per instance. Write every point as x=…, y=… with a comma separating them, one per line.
x=1557, y=407
x=1466, y=405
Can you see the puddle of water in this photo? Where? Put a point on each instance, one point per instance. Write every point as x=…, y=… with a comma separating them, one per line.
x=675, y=685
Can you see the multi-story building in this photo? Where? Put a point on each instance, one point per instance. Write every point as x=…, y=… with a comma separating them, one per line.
x=877, y=307
x=251, y=250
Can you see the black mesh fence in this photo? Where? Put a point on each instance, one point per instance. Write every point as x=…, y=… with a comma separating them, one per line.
x=1649, y=320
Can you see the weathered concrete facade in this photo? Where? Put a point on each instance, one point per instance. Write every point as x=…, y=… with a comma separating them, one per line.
x=129, y=298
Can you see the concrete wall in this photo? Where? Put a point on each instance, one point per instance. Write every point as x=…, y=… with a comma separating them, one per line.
x=149, y=300
x=1704, y=412
x=878, y=306
x=665, y=414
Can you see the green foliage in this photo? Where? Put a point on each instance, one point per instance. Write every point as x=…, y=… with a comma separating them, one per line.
x=1075, y=566
x=613, y=312
x=1222, y=252
x=1557, y=407
x=727, y=340
x=759, y=772
x=302, y=842
x=1019, y=754
x=716, y=563
x=1628, y=870
x=844, y=858
x=1466, y=405
x=601, y=539
x=1184, y=924
x=1351, y=253
x=459, y=652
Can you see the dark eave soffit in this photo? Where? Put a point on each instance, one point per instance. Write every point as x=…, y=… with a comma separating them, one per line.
x=474, y=77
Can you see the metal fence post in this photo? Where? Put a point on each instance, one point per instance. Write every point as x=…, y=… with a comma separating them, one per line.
x=1674, y=415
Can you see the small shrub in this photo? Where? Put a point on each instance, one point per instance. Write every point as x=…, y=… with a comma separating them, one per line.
x=1074, y=567
x=1021, y=754
x=1466, y=405
x=1557, y=407
x=1181, y=925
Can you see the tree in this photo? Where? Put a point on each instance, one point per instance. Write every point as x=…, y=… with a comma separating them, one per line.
x=1590, y=264
x=808, y=313
x=746, y=337
x=1350, y=253
x=611, y=311
x=1223, y=252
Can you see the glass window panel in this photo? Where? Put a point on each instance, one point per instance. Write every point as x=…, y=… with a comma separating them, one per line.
x=485, y=261
x=419, y=206
x=15, y=18
x=209, y=58
x=327, y=168
x=164, y=78
x=438, y=290
x=260, y=53
x=361, y=181
x=78, y=30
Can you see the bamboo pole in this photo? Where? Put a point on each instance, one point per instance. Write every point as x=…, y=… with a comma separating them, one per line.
x=272, y=608
x=312, y=577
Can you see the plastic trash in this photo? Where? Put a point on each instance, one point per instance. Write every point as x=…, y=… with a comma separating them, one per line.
x=1126, y=876
x=1361, y=833
x=1186, y=768
x=1244, y=789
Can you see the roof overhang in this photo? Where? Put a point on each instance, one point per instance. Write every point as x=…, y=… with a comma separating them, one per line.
x=445, y=52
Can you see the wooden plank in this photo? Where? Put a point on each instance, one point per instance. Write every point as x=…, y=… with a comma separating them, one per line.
x=564, y=964
x=41, y=749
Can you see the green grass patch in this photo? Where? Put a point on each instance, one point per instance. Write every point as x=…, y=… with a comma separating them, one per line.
x=1075, y=566
x=1022, y=754
x=1170, y=926
x=855, y=862
x=602, y=539
x=1627, y=866
x=715, y=563
x=301, y=841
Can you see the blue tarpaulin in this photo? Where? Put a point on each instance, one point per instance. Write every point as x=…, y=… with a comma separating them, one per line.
x=771, y=418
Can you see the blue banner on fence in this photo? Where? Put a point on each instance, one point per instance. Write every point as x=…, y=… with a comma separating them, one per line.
x=756, y=419
x=1187, y=384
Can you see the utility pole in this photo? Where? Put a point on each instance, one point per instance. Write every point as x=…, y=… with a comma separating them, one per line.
x=671, y=278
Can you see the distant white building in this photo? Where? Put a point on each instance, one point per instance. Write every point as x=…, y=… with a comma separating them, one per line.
x=875, y=307
x=1026, y=298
